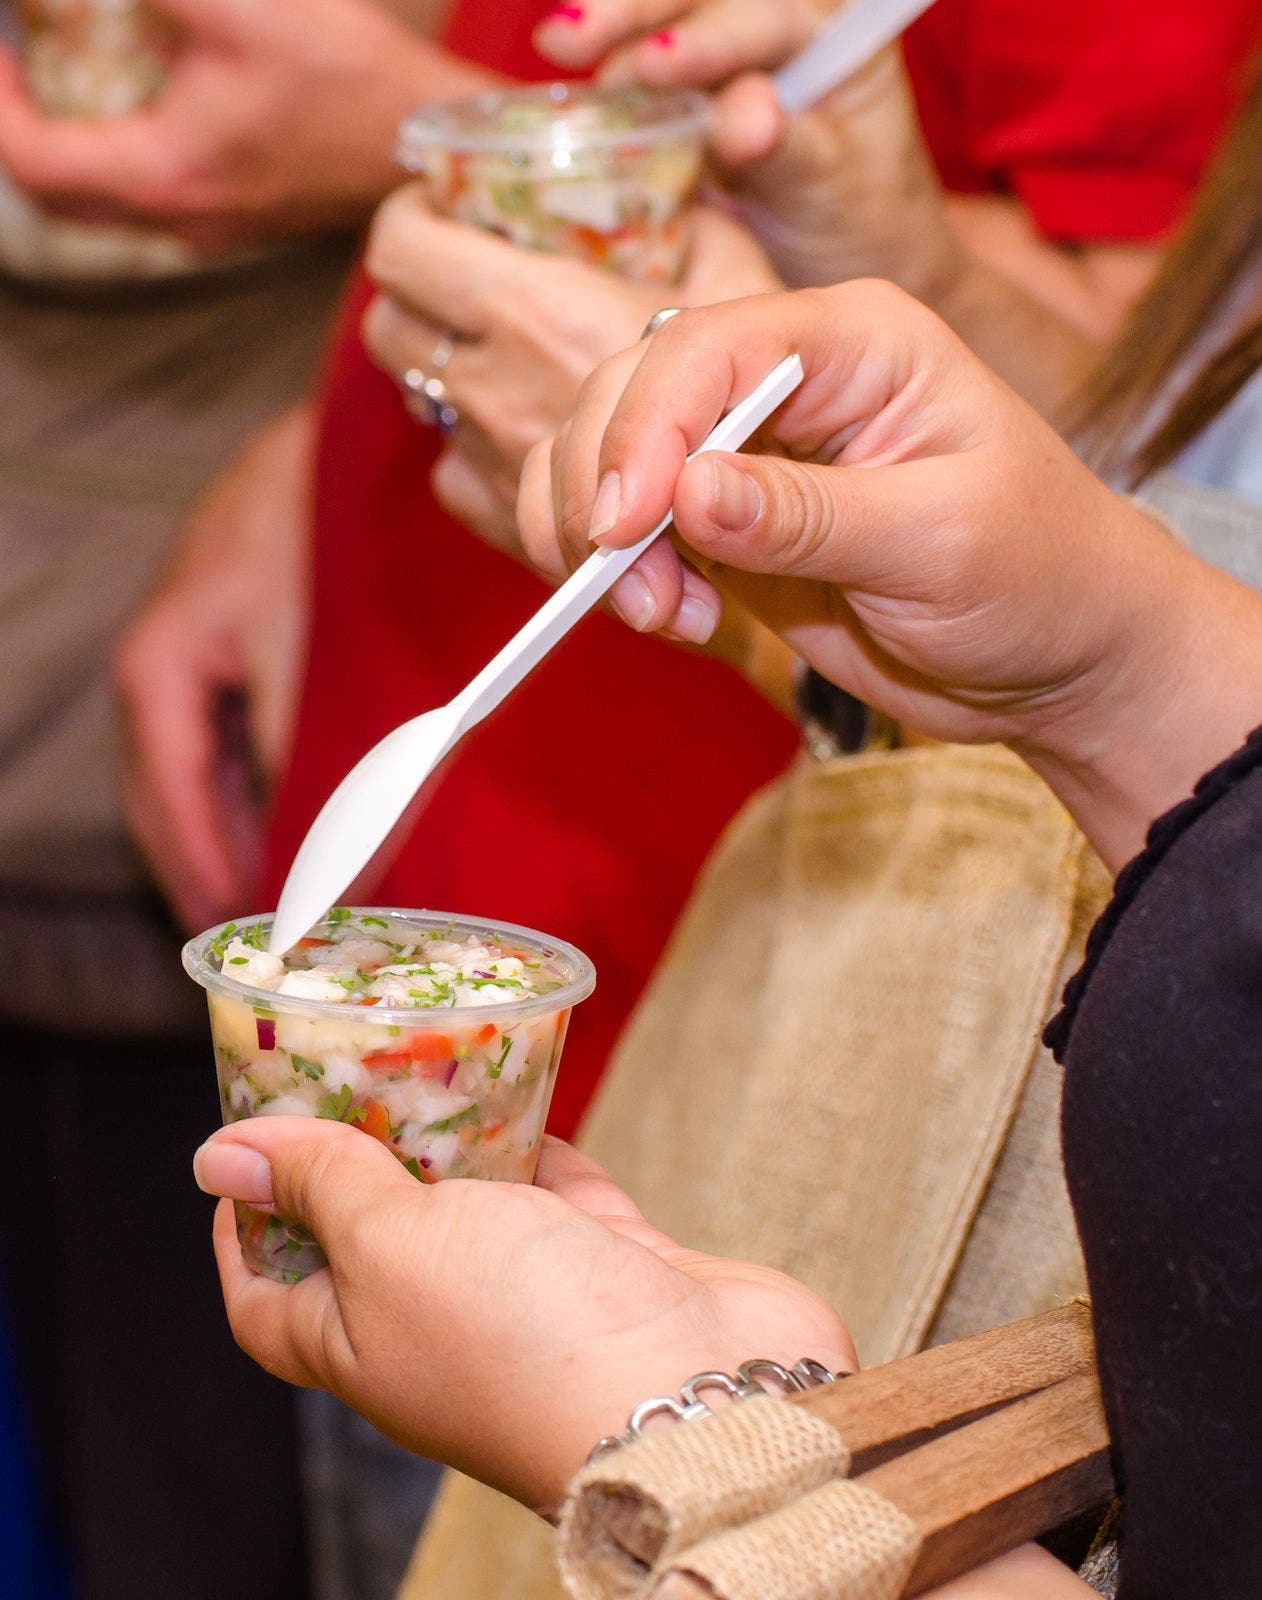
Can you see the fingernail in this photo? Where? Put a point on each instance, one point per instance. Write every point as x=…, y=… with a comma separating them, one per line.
x=234, y=1171
x=735, y=499
x=663, y=39
x=632, y=599
x=565, y=14
x=695, y=621
x=606, y=506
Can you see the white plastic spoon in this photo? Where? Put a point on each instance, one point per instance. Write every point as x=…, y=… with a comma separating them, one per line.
x=845, y=43
x=359, y=815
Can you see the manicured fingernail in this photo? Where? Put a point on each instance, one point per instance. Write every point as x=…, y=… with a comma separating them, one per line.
x=565, y=14
x=735, y=499
x=632, y=599
x=695, y=621
x=234, y=1171
x=664, y=39
x=605, y=507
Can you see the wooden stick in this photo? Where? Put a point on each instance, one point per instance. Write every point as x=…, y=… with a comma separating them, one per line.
x=886, y=1411
x=986, y=1488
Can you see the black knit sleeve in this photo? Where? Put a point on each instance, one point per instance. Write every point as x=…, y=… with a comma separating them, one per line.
x=1161, y=1039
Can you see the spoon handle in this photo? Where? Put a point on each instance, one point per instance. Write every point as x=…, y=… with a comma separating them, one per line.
x=844, y=44
x=593, y=580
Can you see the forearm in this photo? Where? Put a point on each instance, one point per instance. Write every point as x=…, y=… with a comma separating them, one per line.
x=1169, y=703
x=1090, y=286
x=1026, y=1574
x=1030, y=346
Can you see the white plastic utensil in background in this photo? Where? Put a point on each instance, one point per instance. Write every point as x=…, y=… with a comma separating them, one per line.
x=844, y=44
x=359, y=815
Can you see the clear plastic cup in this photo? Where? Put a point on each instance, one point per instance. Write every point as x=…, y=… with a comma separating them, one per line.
x=94, y=58
x=601, y=174
x=453, y=1090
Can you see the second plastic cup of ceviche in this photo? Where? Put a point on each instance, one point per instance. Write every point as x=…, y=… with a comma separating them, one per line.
x=439, y=1036
x=602, y=174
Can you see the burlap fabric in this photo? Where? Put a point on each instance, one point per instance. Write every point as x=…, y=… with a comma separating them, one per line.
x=836, y=1070
x=683, y=1484
x=843, y=1542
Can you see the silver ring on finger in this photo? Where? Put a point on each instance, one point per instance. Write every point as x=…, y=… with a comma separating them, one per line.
x=658, y=319
x=425, y=394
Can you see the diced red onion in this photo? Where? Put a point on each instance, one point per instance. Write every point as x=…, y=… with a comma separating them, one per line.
x=425, y=1162
x=450, y=1074
x=478, y=973
x=265, y=1028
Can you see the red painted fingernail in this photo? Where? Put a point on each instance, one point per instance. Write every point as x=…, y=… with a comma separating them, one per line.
x=664, y=39
x=565, y=14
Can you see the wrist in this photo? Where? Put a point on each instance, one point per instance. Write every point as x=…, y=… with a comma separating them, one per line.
x=1173, y=688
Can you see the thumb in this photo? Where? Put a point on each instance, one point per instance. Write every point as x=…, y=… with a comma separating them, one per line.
x=765, y=514
x=327, y=1176
x=747, y=121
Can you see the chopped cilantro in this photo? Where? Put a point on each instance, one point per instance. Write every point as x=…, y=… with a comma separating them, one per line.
x=373, y=922
x=238, y=961
x=496, y=1067
x=313, y=1069
x=470, y=1114
x=264, y=1095
x=293, y=1246
x=334, y=1107
x=338, y=914
x=288, y=1275
x=255, y=937
x=394, y=1030
x=414, y=1167
x=220, y=944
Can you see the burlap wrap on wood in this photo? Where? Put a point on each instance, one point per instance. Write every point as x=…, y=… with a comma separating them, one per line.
x=836, y=1070
x=843, y=1542
x=634, y=1510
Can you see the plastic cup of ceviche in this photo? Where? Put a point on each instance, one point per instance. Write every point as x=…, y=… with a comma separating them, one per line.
x=438, y=1035
x=601, y=174
x=94, y=58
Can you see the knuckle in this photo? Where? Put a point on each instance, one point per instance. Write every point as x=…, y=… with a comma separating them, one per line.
x=804, y=509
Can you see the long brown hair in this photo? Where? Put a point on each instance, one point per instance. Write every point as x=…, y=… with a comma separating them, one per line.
x=1220, y=244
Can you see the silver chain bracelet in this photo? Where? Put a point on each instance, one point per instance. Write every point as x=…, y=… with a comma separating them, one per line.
x=804, y=1374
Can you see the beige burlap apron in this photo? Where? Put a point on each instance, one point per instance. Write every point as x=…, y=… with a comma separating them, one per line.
x=836, y=1070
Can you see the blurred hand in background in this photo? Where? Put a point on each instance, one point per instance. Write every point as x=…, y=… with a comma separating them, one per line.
x=209, y=677
x=275, y=120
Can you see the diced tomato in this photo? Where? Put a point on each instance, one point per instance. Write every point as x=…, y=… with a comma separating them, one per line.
x=492, y=1130
x=426, y=1045
x=375, y=1120
x=372, y=1000
x=485, y=1033
x=431, y=1052
x=311, y=944
x=591, y=241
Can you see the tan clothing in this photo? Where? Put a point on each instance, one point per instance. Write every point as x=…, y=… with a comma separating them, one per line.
x=114, y=416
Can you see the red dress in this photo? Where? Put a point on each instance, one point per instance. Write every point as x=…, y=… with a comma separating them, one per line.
x=586, y=806
x=1098, y=114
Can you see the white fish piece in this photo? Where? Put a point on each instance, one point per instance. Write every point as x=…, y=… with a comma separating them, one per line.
x=317, y=984
x=287, y=1105
x=259, y=968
